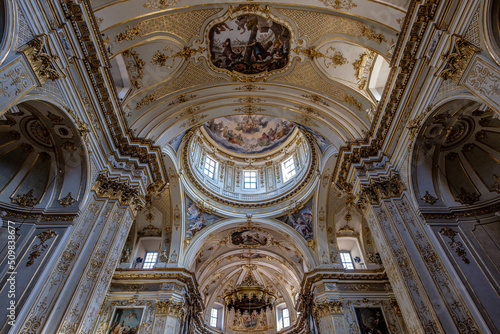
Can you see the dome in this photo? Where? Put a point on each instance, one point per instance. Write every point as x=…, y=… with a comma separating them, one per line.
x=249, y=161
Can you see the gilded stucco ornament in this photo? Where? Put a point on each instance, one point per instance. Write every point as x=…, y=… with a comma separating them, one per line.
x=457, y=59
x=67, y=201
x=38, y=249
x=25, y=200
x=339, y=4
x=457, y=246
x=428, y=198
x=41, y=60
x=135, y=66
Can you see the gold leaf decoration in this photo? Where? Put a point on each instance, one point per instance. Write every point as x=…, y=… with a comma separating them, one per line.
x=339, y=4
x=37, y=249
x=67, y=201
x=25, y=200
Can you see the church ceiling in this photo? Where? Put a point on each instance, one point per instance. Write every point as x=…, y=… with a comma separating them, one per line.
x=249, y=75
x=178, y=64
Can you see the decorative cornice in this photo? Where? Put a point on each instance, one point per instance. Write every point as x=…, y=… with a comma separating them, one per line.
x=391, y=98
x=85, y=26
x=318, y=275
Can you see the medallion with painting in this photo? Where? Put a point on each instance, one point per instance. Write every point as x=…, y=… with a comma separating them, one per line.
x=249, y=44
x=248, y=238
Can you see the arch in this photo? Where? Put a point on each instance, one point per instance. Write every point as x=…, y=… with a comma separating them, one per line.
x=49, y=167
x=8, y=26
x=197, y=243
x=455, y=156
x=490, y=27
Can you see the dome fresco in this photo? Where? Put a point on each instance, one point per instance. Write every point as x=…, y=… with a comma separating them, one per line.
x=247, y=134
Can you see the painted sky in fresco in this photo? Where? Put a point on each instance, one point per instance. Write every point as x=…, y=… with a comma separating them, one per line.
x=249, y=134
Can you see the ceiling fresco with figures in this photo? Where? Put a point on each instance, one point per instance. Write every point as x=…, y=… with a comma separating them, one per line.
x=249, y=44
x=179, y=64
x=249, y=134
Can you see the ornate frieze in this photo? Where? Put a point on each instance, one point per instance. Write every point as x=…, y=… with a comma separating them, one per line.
x=327, y=308
x=168, y=307
x=15, y=81
x=482, y=79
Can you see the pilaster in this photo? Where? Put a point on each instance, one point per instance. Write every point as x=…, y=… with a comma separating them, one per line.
x=429, y=298
x=78, y=280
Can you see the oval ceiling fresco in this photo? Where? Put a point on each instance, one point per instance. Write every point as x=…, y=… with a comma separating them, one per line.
x=247, y=134
x=249, y=44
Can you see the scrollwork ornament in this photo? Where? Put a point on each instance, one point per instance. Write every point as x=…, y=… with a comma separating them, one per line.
x=38, y=249
x=67, y=201
x=457, y=246
x=429, y=199
x=25, y=200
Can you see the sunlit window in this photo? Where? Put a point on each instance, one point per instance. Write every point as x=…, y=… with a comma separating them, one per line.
x=346, y=260
x=249, y=180
x=288, y=169
x=209, y=169
x=150, y=260
x=213, y=317
x=283, y=318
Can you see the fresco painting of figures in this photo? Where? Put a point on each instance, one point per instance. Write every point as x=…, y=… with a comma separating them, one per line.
x=301, y=221
x=197, y=219
x=249, y=44
x=249, y=134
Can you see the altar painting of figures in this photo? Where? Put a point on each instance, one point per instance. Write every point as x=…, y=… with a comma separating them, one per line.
x=249, y=44
x=126, y=321
x=371, y=321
